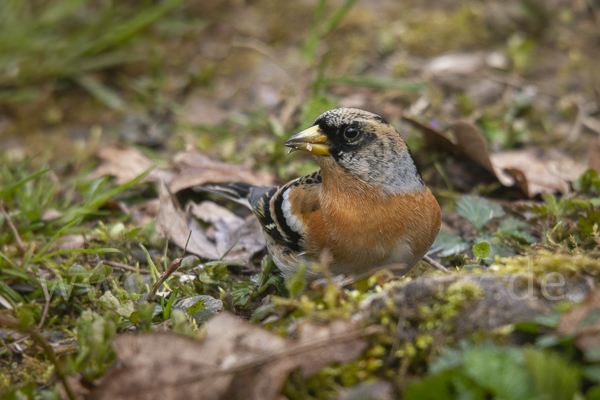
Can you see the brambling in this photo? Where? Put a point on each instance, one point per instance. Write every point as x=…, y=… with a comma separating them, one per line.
x=366, y=207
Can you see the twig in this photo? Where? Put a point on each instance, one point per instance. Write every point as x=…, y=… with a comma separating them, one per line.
x=435, y=264
x=46, y=307
x=172, y=268
x=126, y=267
x=186, y=243
x=12, y=227
x=11, y=322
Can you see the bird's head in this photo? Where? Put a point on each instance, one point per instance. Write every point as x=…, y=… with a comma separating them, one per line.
x=364, y=145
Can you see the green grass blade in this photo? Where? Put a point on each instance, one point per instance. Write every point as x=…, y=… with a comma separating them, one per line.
x=101, y=92
x=337, y=16
x=131, y=27
x=109, y=194
x=39, y=255
x=9, y=190
x=8, y=260
x=84, y=251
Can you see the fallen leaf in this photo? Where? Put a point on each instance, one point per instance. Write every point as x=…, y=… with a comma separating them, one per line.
x=245, y=236
x=126, y=163
x=172, y=222
x=198, y=169
x=211, y=212
x=536, y=172
x=583, y=322
x=247, y=240
x=146, y=212
x=236, y=360
x=532, y=171
x=234, y=237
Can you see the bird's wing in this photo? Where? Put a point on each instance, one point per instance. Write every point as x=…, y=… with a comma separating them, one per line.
x=284, y=211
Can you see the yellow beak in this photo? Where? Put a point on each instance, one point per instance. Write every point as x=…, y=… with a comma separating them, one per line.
x=311, y=140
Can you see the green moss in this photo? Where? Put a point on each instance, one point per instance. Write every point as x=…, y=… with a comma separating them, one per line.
x=28, y=369
x=542, y=262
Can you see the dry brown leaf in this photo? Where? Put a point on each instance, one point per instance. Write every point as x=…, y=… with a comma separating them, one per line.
x=583, y=322
x=245, y=236
x=211, y=212
x=198, y=169
x=125, y=163
x=146, y=212
x=229, y=230
x=236, y=360
x=532, y=171
x=172, y=222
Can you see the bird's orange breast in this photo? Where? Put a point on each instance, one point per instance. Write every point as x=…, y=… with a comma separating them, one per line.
x=360, y=228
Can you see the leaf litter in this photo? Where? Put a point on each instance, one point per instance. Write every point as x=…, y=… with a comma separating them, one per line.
x=236, y=360
x=532, y=171
x=233, y=238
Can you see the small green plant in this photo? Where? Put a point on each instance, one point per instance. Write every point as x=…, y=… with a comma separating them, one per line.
x=488, y=243
x=481, y=372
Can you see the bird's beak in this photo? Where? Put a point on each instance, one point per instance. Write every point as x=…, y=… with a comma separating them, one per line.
x=311, y=140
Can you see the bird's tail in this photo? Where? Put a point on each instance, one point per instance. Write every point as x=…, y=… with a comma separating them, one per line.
x=238, y=191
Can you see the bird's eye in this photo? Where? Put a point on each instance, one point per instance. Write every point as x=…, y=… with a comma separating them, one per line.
x=351, y=133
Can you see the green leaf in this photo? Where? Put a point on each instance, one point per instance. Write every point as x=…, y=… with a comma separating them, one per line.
x=587, y=221
x=267, y=269
x=77, y=273
x=167, y=312
x=497, y=248
x=481, y=249
x=99, y=273
x=241, y=293
x=450, y=244
x=448, y=385
x=83, y=251
x=9, y=190
x=197, y=307
x=588, y=183
x=110, y=302
x=478, y=210
x=552, y=376
x=40, y=254
x=295, y=283
x=516, y=228
x=134, y=318
x=500, y=370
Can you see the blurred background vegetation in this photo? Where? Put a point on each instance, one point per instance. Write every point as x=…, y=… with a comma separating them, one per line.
x=234, y=79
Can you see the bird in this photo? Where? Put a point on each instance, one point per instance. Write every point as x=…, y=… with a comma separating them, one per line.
x=367, y=206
